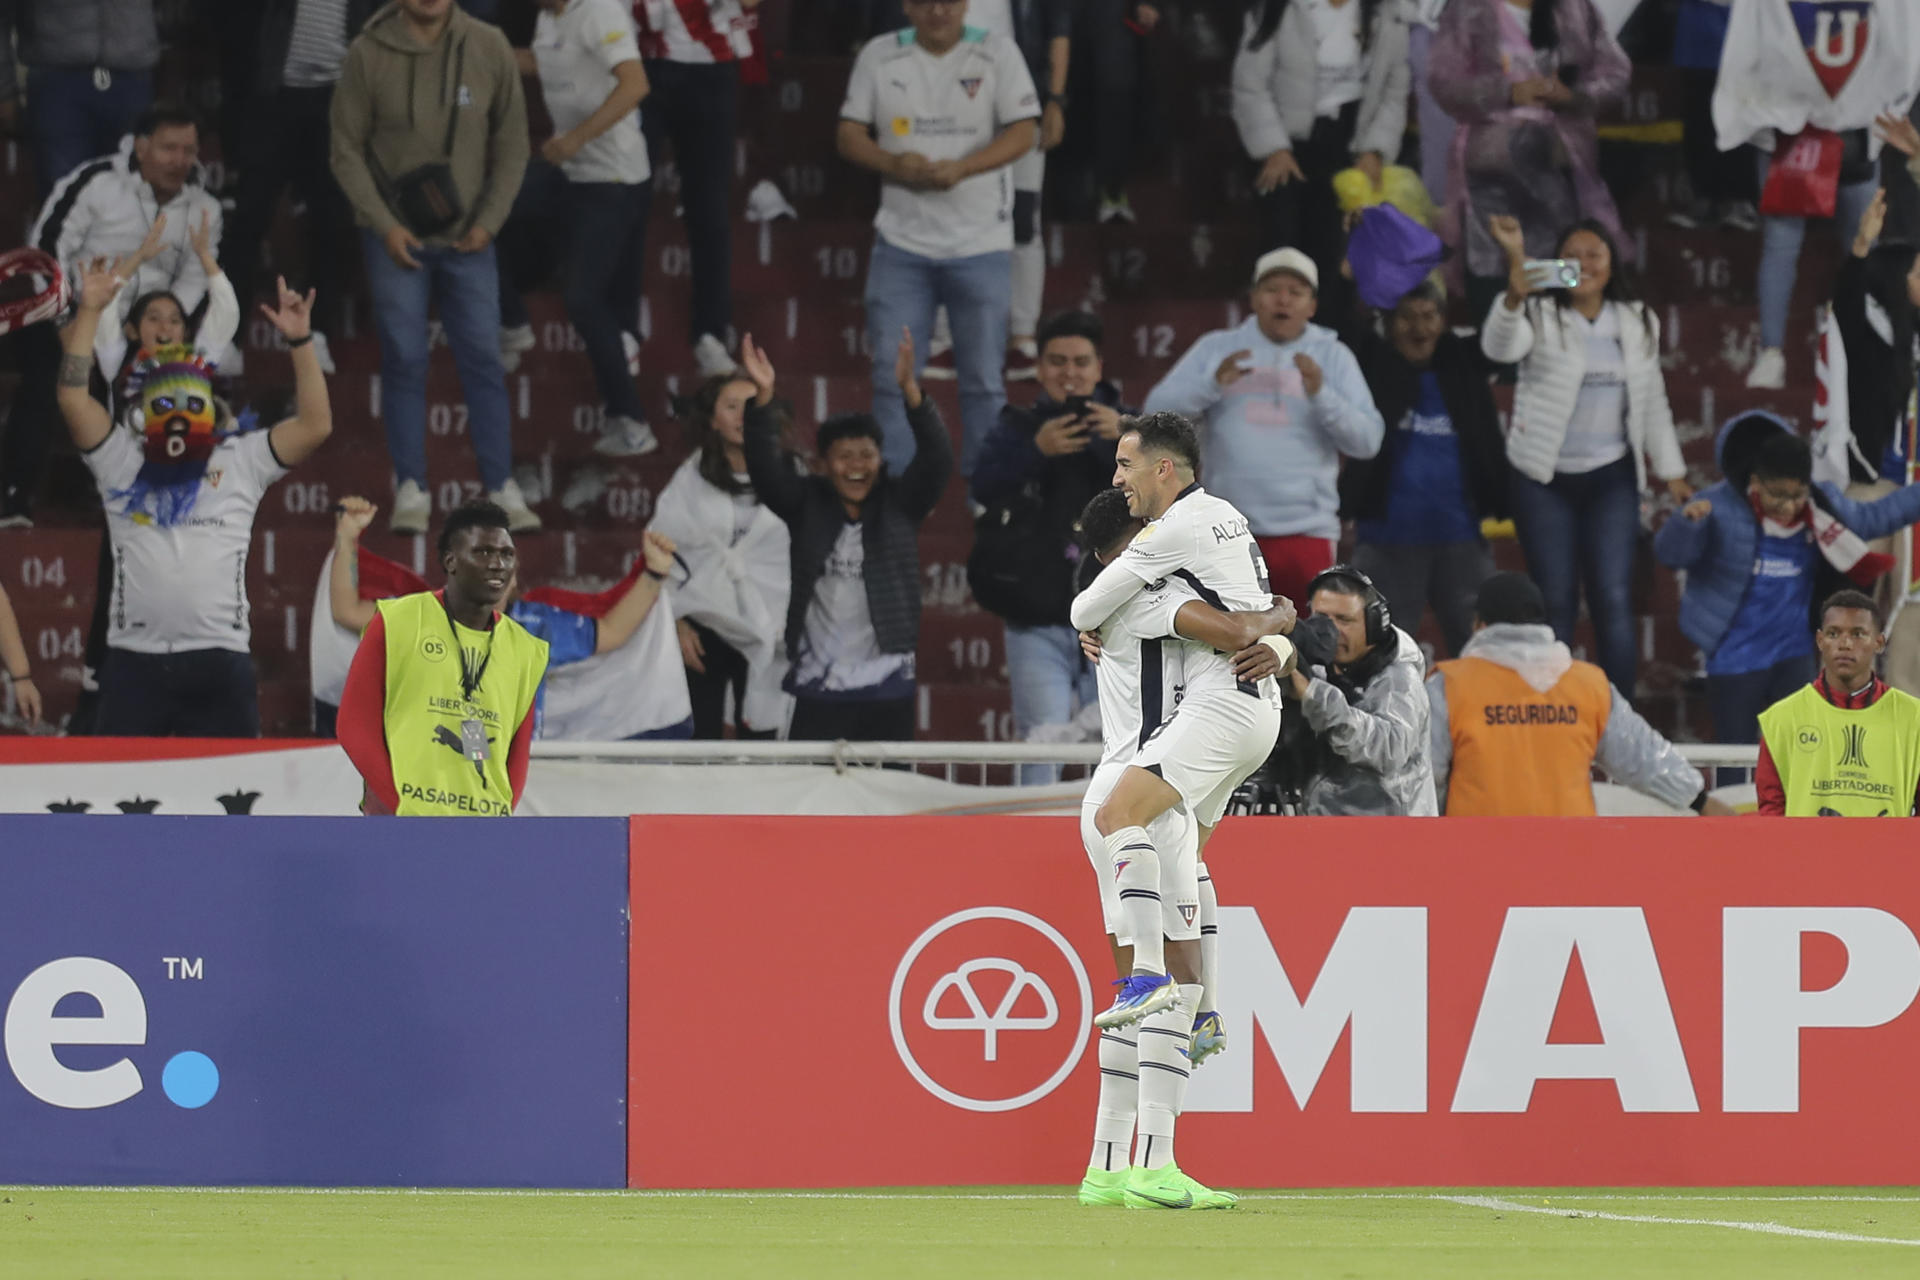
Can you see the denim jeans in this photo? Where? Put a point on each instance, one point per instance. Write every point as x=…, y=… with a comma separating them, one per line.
x=1412, y=576
x=71, y=122
x=1737, y=700
x=465, y=290
x=903, y=289
x=1051, y=680
x=695, y=107
x=1582, y=530
x=1780, y=243
x=190, y=693
x=285, y=145
x=602, y=227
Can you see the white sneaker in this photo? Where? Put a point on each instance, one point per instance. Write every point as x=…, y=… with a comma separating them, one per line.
x=515, y=341
x=1769, y=372
x=520, y=517
x=323, y=353
x=625, y=438
x=766, y=202
x=711, y=355
x=631, y=345
x=232, y=362
x=1740, y=216
x=412, y=509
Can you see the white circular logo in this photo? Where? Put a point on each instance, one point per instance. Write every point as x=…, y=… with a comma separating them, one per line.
x=998, y=1041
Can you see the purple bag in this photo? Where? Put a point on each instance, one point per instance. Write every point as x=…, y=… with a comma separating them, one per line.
x=1390, y=253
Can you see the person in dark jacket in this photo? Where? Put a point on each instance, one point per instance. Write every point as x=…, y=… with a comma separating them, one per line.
x=1875, y=296
x=1758, y=549
x=1037, y=470
x=853, y=618
x=282, y=140
x=1442, y=469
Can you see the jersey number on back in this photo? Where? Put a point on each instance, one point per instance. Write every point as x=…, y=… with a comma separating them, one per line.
x=1259, y=567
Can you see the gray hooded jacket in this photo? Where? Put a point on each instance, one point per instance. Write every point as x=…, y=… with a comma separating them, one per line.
x=1379, y=743
x=1631, y=751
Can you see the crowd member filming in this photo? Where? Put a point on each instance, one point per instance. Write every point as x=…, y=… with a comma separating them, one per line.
x=1363, y=748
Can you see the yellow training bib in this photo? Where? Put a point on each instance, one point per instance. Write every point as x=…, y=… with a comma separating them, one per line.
x=449, y=749
x=1835, y=763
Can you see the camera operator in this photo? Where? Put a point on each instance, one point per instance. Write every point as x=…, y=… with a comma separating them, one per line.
x=1363, y=747
x=1037, y=469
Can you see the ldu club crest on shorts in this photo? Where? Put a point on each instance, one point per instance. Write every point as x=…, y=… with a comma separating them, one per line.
x=1834, y=34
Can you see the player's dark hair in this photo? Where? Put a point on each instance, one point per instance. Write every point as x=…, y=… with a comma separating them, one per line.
x=1783, y=455
x=1105, y=522
x=476, y=513
x=161, y=115
x=847, y=426
x=1851, y=599
x=1168, y=433
x=1070, y=324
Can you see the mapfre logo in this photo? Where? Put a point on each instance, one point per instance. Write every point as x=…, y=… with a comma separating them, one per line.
x=990, y=1009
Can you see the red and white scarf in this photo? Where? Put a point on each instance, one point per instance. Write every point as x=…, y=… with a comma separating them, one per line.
x=1844, y=549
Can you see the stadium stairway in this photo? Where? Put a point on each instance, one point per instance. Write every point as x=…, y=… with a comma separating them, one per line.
x=1158, y=284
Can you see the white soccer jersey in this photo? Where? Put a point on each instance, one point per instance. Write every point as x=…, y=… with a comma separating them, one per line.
x=183, y=586
x=1204, y=541
x=576, y=51
x=943, y=107
x=1141, y=670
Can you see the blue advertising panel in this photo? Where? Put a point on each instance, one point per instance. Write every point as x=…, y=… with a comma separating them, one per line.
x=313, y=1001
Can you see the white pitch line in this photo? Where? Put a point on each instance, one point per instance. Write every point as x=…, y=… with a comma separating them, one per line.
x=1763, y=1228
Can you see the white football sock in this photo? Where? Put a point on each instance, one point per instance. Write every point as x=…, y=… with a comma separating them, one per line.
x=1119, y=1099
x=1163, y=1077
x=1136, y=870
x=1209, y=944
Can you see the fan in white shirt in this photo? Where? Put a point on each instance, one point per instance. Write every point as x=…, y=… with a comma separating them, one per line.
x=182, y=484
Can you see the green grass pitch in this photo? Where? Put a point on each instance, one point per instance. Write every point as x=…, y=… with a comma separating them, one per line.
x=968, y=1233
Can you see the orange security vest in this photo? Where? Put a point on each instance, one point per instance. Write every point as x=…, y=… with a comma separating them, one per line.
x=1518, y=752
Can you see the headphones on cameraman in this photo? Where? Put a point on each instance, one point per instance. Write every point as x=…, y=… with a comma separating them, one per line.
x=1379, y=615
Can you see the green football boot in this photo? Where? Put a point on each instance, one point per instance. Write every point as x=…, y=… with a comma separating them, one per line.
x=1104, y=1188
x=1168, y=1188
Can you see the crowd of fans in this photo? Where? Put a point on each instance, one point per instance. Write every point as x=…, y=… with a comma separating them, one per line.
x=791, y=586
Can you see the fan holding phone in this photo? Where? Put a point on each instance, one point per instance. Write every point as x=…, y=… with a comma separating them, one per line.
x=1590, y=419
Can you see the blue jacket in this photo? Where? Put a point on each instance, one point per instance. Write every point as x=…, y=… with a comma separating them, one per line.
x=1718, y=551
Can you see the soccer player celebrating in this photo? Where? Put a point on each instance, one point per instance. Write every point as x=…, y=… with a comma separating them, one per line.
x=1226, y=726
x=1140, y=675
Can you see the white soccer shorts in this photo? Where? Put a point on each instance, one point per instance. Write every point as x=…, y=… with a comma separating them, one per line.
x=1175, y=838
x=1209, y=745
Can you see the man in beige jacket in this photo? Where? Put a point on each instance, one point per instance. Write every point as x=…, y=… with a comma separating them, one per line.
x=429, y=144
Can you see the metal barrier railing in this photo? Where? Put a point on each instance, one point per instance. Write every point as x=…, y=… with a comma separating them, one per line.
x=949, y=759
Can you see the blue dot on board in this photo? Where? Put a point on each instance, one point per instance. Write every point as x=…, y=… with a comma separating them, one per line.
x=190, y=1079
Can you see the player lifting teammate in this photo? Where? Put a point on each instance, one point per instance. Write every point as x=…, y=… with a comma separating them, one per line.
x=1141, y=673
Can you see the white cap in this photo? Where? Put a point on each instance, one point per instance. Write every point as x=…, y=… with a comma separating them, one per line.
x=1287, y=260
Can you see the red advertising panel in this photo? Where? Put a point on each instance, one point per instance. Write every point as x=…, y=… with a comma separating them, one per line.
x=908, y=1001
